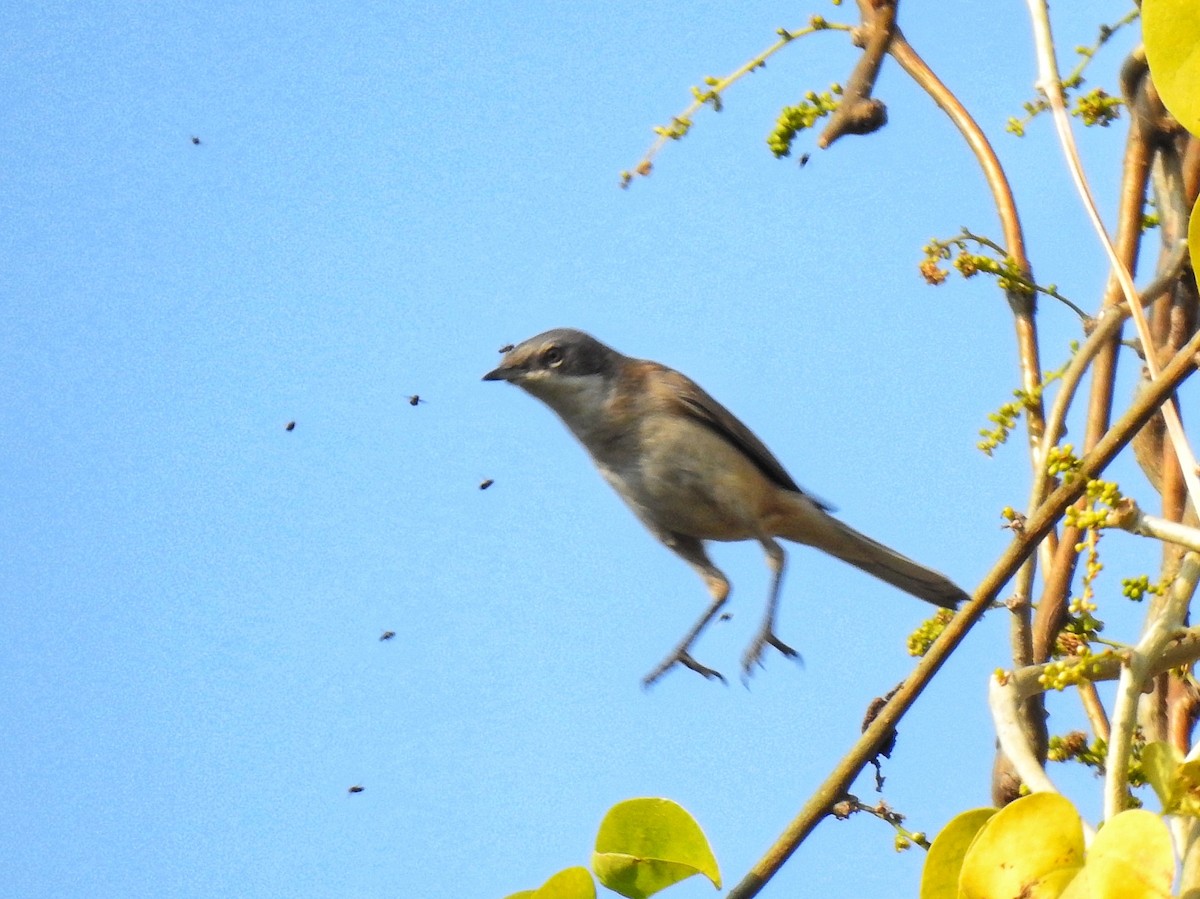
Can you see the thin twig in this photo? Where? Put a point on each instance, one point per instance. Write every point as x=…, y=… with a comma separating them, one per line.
x=681, y=123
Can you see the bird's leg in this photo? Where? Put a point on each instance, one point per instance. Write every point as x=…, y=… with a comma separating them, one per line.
x=681, y=654
x=766, y=633
x=692, y=550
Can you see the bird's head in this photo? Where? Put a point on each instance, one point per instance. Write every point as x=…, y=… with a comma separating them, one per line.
x=570, y=371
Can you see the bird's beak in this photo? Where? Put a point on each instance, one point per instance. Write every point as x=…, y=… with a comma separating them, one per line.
x=503, y=373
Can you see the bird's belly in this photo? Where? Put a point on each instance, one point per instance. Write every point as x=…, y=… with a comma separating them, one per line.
x=695, y=503
x=701, y=487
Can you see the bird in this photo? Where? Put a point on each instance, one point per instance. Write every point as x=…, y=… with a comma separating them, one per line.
x=693, y=473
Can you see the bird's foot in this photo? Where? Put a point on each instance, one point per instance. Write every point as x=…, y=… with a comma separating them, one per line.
x=753, y=655
x=680, y=657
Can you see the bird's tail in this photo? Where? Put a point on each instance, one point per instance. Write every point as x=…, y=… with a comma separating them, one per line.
x=843, y=542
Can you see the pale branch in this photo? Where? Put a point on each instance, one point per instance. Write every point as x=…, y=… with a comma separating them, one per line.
x=1183, y=648
x=1005, y=703
x=1129, y=517
x=1144, y=662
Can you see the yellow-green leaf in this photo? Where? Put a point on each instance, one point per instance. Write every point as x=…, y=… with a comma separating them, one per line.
x=1186, y=798
x=571, y=883
x=1171, y=29
x=943, y=864
x=646, y=845
x=1160, y=762
x=1031, y=848
x=1131, y=858
x=637, y=877
x=1194, y=240
x=1132, y=849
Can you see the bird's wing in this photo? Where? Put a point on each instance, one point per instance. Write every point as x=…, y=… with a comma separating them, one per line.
x=693, y=401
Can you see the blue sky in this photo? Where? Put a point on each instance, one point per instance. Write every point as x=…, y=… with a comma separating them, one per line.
x=382, y=196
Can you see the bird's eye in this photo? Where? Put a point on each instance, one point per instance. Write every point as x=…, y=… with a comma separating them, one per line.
x=552, y=356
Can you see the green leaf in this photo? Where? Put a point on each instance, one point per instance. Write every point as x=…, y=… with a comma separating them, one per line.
x=1171, y=30
x=1160, y=762
x=572, y=883
x=1131, y=858
x=1031, y=848
x=646, y=845
x=943, y=864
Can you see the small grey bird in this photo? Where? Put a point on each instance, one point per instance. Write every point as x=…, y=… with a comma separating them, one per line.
x=692, y=472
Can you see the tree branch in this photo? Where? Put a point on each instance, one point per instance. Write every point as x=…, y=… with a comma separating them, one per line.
x=859, y=112
x=838, y=783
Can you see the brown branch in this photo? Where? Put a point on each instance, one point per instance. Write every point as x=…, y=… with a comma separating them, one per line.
x=1183, y=704
x=1052, y=608
x=1191, y=168
x=1181, y=322
x=859, y=112
x=1094, y=708
x=1174, y=320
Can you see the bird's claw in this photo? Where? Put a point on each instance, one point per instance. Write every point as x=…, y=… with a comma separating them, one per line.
x=684, y=658
x=754, y=652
